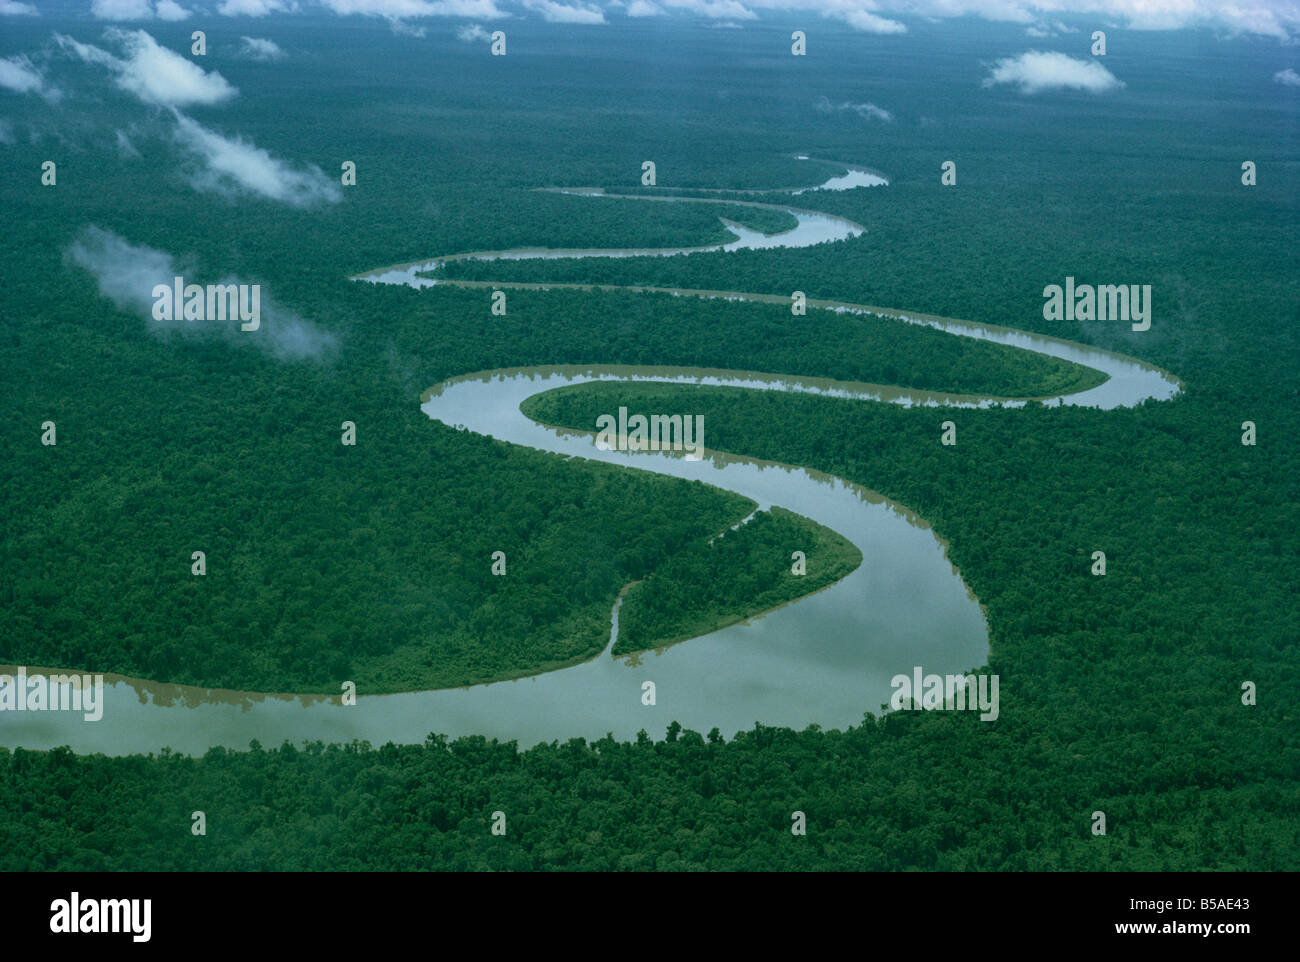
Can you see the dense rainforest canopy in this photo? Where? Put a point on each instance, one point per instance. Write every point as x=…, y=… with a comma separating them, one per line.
x=1121, y=693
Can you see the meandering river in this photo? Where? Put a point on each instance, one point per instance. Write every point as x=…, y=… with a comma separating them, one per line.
x=824, y=659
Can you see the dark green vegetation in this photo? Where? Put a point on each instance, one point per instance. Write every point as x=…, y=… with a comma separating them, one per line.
x=370, y=563
x=909, y=791
x=612, y=223
x=761, y=219
x=1119, y=693
x=324, y=562
x=737, y=575
x=654, y=328
x=713, y=583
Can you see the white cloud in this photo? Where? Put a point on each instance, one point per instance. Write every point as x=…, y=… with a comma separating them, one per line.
x=122, y=9
x=395, y=10
x=260, y=48
x=127, y=274
x=403, y=29
x=1013, y=11
x=865, y=111
x=14, y=8
x=86, y=51
x=170, y=10
x=473, y=33
x=7, y=132
x=152, y=73
x=1252, y=16
x=254, y=8
x=1287, y=77
x=1275, y=18
x=1045, y=29
x=22, y=76
x=554, y=12
x=233, y=165
x=382, y=8
x=124, y=145
x=714, y=9
x=869, y=22
x=1038, y=70
x=137, y=10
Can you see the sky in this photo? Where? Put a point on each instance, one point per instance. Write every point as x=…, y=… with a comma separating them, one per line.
x=1279, y=19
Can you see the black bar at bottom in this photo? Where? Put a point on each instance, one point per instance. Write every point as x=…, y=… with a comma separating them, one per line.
x=329, y=912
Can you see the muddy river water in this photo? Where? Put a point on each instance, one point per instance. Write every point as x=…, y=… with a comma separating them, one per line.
x=824, y=659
